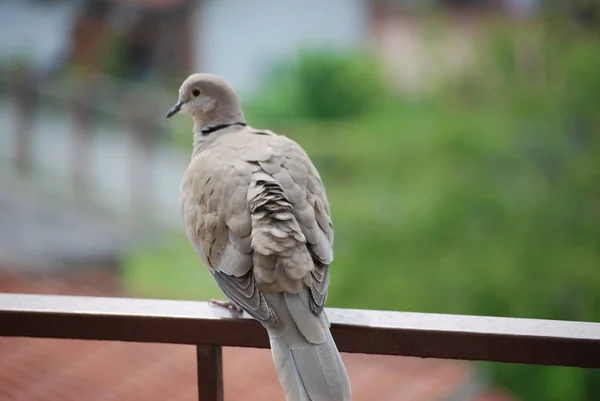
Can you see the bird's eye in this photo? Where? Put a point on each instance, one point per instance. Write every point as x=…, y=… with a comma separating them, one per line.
x=196, y=92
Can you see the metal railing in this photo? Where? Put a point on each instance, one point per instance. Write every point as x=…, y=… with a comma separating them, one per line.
x=496, y=339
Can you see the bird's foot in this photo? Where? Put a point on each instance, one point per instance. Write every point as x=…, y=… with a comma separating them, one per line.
x=227, y=304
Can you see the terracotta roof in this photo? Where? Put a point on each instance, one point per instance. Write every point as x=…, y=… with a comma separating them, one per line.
x=45, y=369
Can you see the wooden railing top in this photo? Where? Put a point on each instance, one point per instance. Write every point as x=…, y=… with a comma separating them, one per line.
x=529, y=341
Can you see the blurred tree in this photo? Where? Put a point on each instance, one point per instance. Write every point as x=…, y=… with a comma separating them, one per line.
x=320, y=85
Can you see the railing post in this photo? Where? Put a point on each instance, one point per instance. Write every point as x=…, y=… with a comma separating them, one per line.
x=144, y=132
x=24, y=98
x=210, y=372
x=80, y=108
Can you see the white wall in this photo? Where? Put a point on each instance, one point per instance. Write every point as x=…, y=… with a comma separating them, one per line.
x=240, y=39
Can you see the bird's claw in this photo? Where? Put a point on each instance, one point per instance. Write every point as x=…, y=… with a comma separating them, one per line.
x=227, y=304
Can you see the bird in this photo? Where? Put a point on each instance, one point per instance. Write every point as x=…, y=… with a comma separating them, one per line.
x=255, y=209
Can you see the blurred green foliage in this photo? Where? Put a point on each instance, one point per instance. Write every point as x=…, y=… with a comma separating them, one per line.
x=311, y=85
x=482, y=197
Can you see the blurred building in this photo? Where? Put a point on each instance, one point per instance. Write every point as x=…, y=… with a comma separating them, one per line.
x=241, y=40
x=142, y=39
x=133, y=39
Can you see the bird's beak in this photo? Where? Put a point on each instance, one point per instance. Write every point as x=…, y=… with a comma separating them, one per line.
x=173, y=110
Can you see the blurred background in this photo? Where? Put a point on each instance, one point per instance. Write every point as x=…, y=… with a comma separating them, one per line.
x=458, y=141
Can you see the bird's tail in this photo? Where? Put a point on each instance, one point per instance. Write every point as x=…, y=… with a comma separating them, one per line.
x=307, y=370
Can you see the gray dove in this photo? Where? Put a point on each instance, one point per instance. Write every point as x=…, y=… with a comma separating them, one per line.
x=255, y=210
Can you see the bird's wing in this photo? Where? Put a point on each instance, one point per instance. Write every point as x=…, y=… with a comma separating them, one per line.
x=217, y=220
x=312, y=211
x=292, y=170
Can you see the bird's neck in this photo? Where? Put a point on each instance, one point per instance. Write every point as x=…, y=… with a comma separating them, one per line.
x=207, y=125
x=206, y=133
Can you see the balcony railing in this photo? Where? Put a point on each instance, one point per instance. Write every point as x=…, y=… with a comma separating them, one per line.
x=529, y=341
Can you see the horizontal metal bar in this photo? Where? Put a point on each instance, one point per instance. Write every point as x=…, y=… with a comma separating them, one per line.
x=529, y=341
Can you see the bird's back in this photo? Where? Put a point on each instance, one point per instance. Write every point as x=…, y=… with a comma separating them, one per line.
x=251, y=169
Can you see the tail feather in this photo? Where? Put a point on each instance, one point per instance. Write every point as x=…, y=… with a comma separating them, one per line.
x=307, y=370
x=312, y=328
x=287, y=371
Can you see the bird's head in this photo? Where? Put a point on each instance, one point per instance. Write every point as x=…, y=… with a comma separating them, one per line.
x=208, y=99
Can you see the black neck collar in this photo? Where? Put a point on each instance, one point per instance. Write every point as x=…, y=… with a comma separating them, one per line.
x=212, y=128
